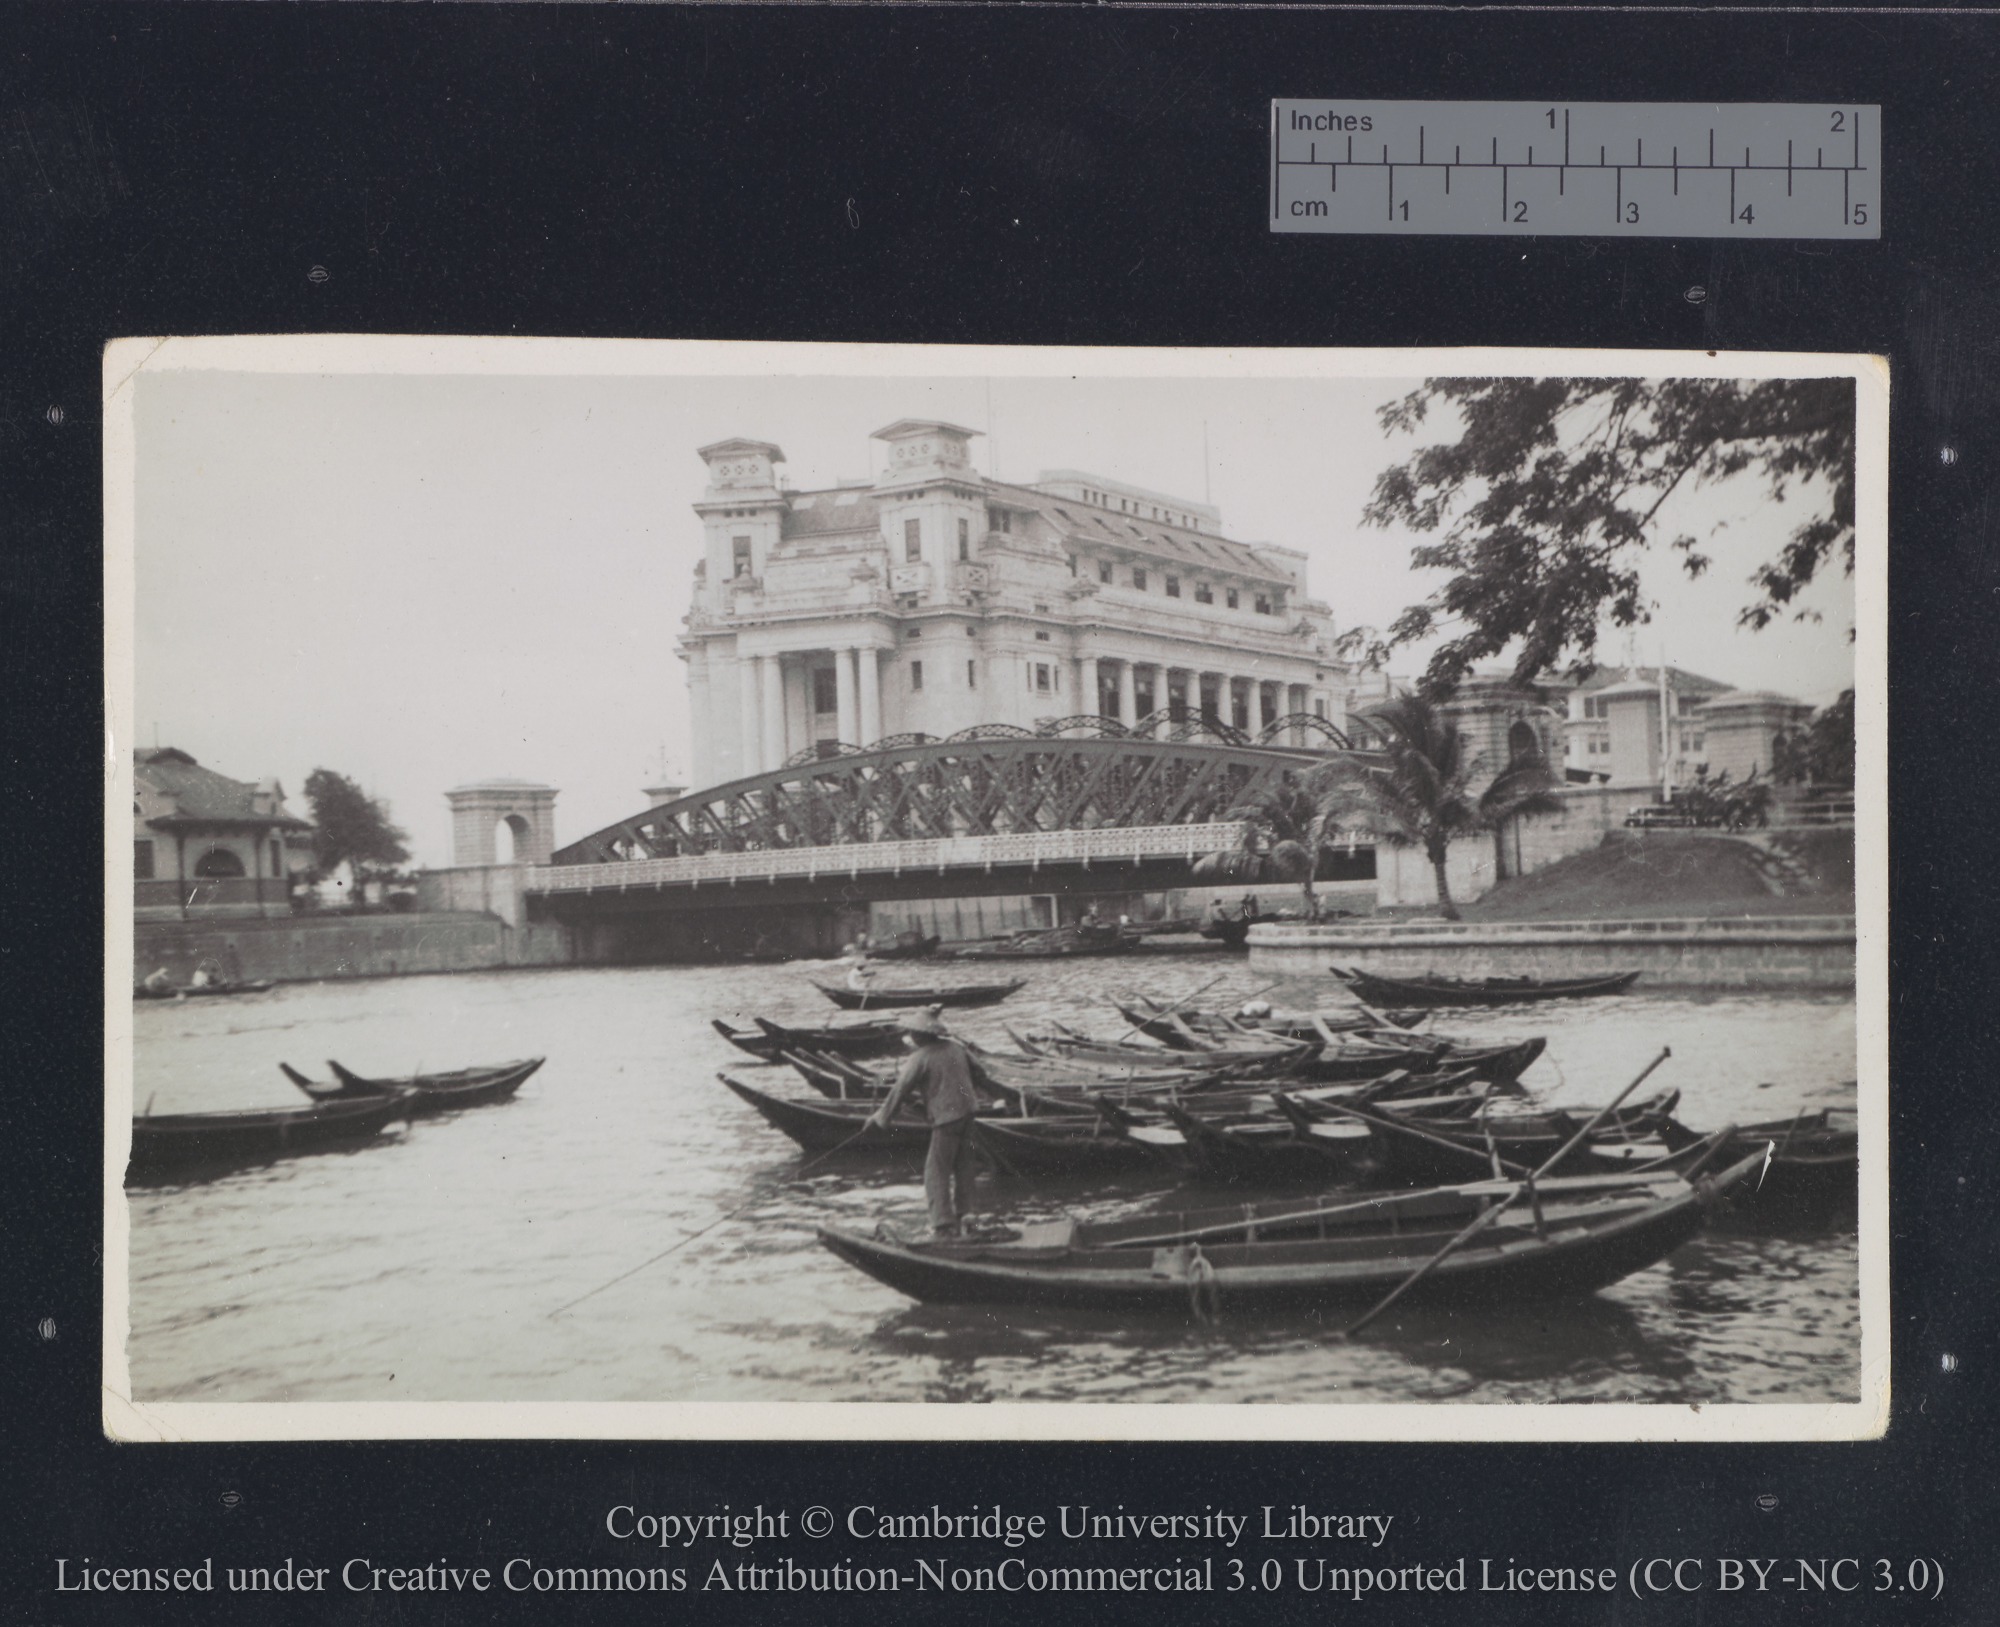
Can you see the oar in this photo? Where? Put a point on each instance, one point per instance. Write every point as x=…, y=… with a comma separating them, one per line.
x=1384, y=1122
x=1494, y=1213
x=1183, y=1000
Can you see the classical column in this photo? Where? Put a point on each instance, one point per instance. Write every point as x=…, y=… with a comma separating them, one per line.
x=843, y=686
x=871, y=697
x=749, y=754
x=702, y=727
x=1128, y=698
x=772, y=680
x=1092, y=700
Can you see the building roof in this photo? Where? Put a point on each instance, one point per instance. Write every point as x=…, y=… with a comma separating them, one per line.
x=1752, y=697
x=203, y=797
x=1679, y=680
x=827, y=513
x=735, y=448
x=1089, y=524
x=501, y=782
x=903, y=427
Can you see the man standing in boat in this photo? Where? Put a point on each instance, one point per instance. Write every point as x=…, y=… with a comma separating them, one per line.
x=940, y=1069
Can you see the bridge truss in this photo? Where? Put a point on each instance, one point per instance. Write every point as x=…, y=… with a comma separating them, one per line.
x=996, y=780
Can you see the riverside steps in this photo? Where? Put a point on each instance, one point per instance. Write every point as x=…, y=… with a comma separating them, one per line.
x=1742, y=952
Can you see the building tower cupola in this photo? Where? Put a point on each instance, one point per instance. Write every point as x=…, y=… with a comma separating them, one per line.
x=925, y=449
x=741, y=469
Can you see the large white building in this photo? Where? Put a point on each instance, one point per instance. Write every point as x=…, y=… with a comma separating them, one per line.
x=934, y=599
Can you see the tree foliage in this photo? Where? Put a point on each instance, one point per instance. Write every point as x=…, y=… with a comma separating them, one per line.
x=1417, y=792
x=1545, y=504
x=1284, y=832
x=1822, y=753
x=350, y=826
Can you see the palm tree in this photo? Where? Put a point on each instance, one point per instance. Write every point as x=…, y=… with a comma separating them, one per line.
x=1283, y=831
x=1417, y=791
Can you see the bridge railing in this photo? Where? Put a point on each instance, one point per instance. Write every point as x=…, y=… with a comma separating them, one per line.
x=940, y=853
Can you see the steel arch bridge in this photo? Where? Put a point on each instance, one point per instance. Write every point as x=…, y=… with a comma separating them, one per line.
x=996, y=780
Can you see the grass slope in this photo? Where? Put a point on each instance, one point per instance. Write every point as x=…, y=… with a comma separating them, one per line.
x=1680, y=874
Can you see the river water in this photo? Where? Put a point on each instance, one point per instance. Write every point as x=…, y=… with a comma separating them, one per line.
x=424, y=1266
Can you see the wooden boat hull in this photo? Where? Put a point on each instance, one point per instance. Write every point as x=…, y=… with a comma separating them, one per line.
x=212, y=991
x=856, y=1041
x=1577, y=1257
x=1061, y=1146
x=166, y=1146
x=824, y=1126
x=964, y=994
x=1815, y=1168
x=445, y=1092
x=1446, y=991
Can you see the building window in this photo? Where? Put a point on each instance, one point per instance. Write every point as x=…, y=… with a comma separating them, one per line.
x=826, y=692
x=1319, y=706
x=1231, y=599
x=998, y=519
x=1104, y=570
x=1042, y=676
x=916, y=675
x=964, y=539
x=277, y=860
x=972, y=675
x=1203, y=593
x=1139, y=578
x=1041, y=638
x=740, y=547
x=1041, y=610
x=913, y=541
x=1173, y=587
x=1263, y=604
x=142, y=861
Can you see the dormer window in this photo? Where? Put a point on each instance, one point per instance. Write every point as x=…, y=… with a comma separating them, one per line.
x=1173, y=587
x=1139, y=577
x=1203, y=593
x=1232, y=599
x=1263, y=605
x=998, y=519
x=1104, y=572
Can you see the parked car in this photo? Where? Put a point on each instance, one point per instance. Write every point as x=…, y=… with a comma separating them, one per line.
x=1658, y=816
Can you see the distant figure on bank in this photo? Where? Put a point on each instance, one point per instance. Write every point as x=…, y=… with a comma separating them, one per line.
x=206, y=975
x=940, y=1069
x=158, y=981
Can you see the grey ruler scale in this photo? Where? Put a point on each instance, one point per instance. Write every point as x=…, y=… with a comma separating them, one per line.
x=1577, y=169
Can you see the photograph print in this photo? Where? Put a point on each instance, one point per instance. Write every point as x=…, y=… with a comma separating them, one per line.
x=702, y=890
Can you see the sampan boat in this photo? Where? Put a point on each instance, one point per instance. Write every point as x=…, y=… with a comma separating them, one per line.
x=204, y=991
x=1815, y=1163
x=1582, y=1235
x=1431, y=990
x=954, y=994
x=876, y=1037
x=429, y=1092
x=167, y=1145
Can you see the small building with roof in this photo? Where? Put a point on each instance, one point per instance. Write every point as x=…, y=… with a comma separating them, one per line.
x=1614, y=726
x=205, y=844
x=933, y=599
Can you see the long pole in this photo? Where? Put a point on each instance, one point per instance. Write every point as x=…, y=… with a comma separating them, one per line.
x=1494, y=1213
x=1165, y=1011
x=727, y=1214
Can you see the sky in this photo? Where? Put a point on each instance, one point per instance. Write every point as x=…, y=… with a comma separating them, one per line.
x=424, y=580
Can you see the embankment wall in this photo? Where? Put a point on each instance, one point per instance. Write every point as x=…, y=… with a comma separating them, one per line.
x=1797, y=951
x=305, y=948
